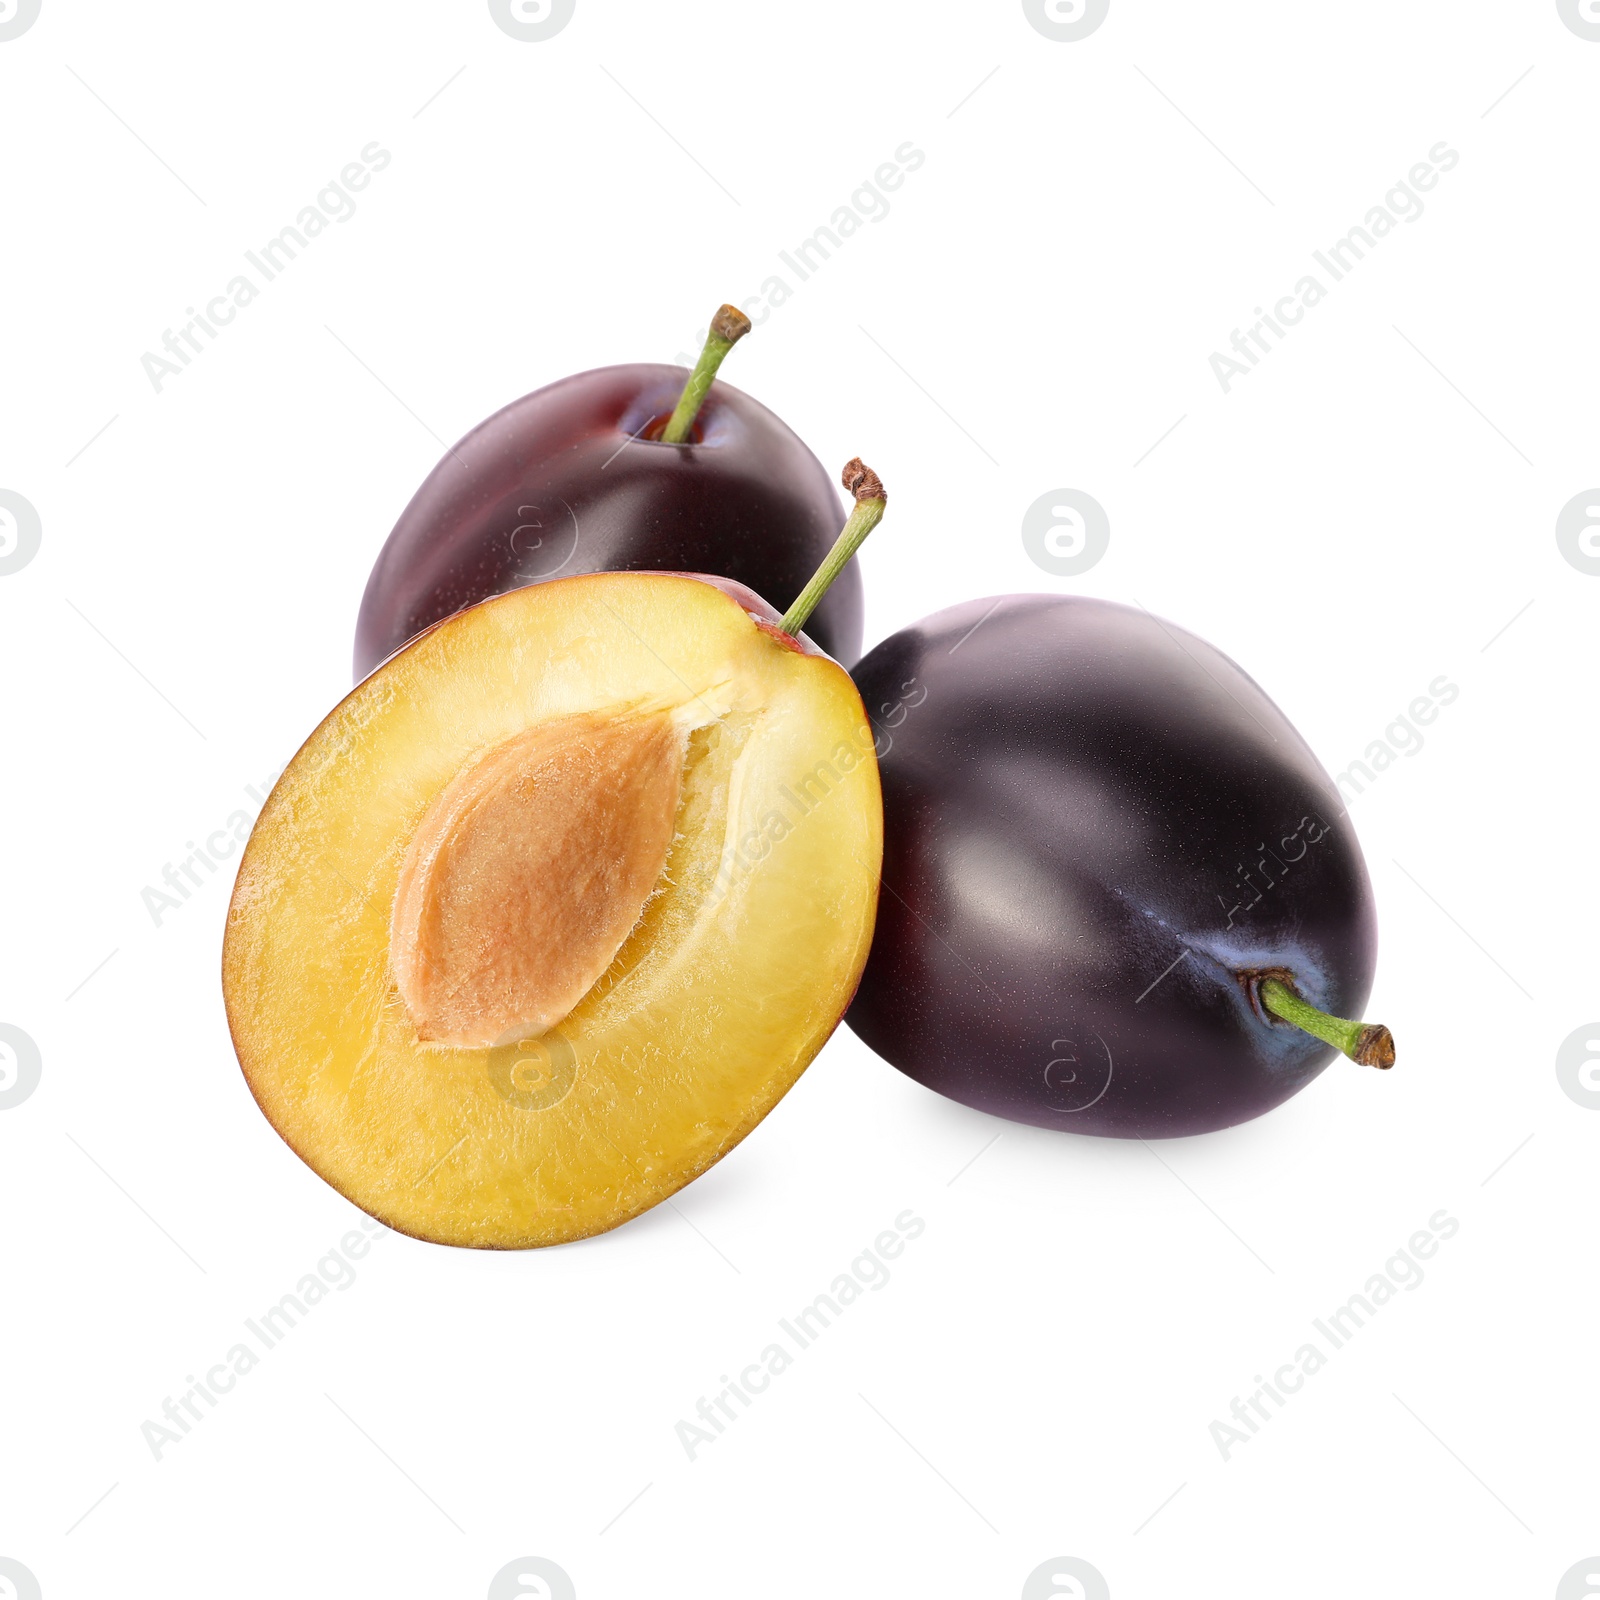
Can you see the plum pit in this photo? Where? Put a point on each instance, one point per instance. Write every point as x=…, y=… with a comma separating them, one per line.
x=528, y=872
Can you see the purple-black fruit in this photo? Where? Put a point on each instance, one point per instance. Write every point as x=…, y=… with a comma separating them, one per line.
x=1120, y=895
x=621, y=469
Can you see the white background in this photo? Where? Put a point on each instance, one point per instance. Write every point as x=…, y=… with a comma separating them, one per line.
x=1374, y=506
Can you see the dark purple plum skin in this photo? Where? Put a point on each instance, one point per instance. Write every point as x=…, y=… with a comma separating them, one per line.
x=551, y=486
x=1078, y=799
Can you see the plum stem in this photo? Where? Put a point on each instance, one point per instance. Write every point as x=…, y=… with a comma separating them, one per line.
x=728, y=327
x=867, y=487
x=1368, y=1043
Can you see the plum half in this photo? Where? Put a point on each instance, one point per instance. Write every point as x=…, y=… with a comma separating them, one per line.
x=1120, y=895
x=557, y=903
x=621, y=469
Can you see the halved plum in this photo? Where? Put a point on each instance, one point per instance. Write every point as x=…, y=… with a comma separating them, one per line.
x=556, y=905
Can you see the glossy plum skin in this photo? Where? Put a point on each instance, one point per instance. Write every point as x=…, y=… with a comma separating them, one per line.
x=552, y=486
x=1099, y=833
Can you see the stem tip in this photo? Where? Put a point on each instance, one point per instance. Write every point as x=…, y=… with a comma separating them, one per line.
x=730, y=323
x=862, y=481
x=1374, y=1047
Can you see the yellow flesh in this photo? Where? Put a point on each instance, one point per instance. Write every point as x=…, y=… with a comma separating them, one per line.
x=736, y=973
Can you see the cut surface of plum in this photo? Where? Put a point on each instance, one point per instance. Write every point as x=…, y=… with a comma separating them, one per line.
x=555, y=906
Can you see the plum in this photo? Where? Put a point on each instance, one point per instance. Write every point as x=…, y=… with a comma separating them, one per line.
x=627, y=468
x=1120, y=895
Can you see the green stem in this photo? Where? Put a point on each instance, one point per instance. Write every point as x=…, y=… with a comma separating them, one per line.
x=867, y=487
x=728, y=327
x=1369, y=1043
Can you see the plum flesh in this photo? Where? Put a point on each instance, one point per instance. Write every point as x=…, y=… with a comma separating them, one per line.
x=1101, y=837
x=568, y=480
